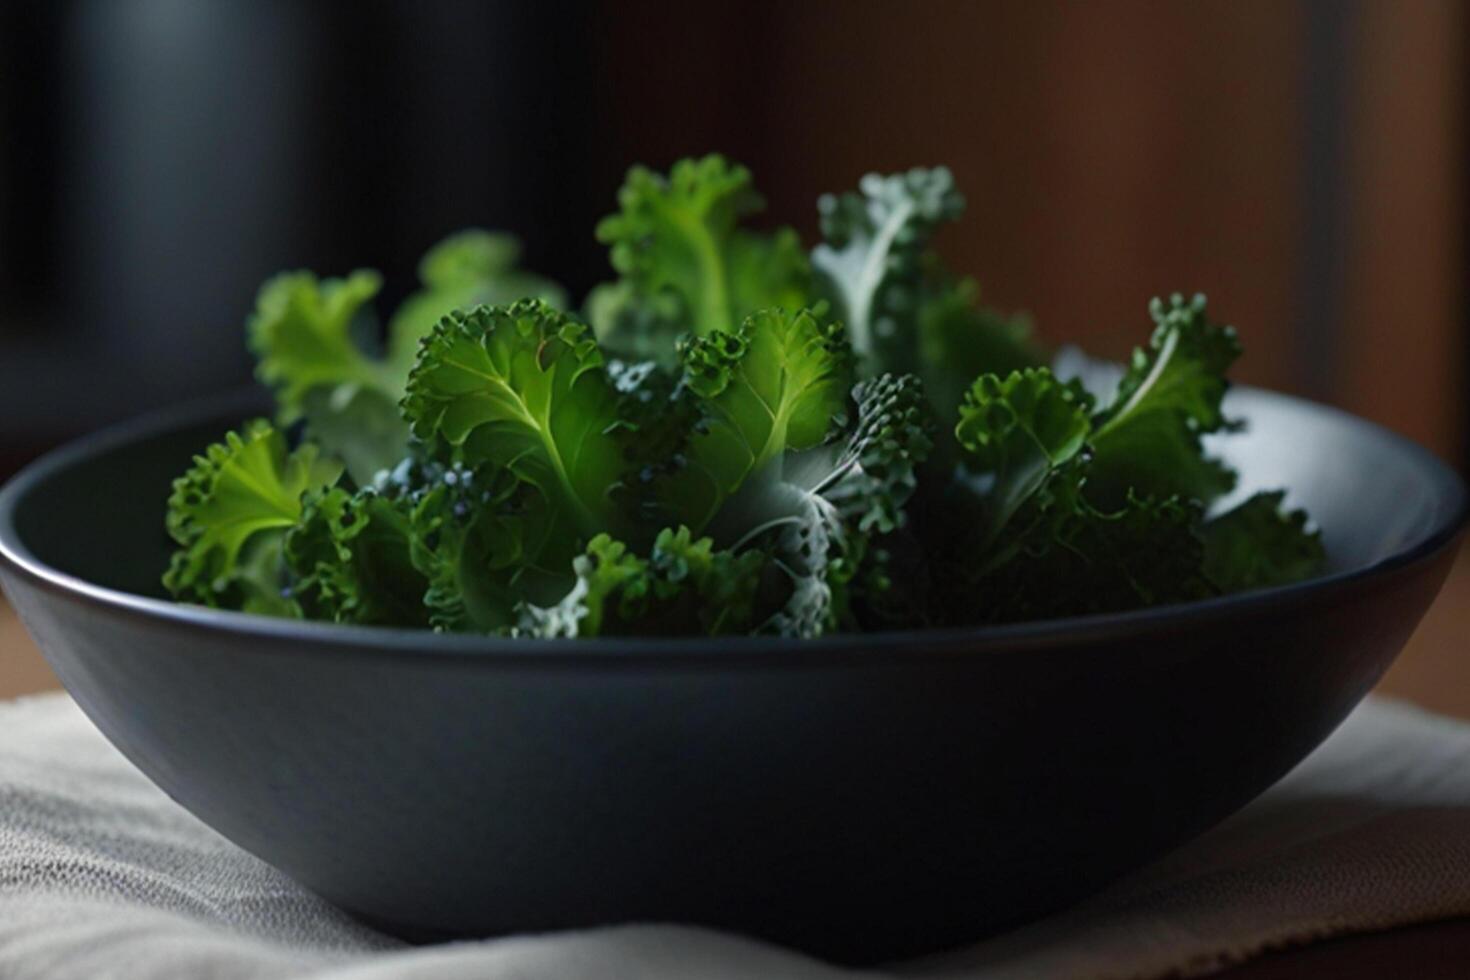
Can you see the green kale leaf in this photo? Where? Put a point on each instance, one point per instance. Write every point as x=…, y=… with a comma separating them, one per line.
x=303, y=334
x=519, y=395
x=1039, y=545
x=1062, y=556
x=816, y=511
x=1260, y=543
x=759, y=454
x=485, y=546
x=230, y=513
x=871, y=260
x=1148, y=440
x=469, y=268
x=958, y=340
x=776, y=385
x=1017, y=432
x=686, y=262
x=351, y=555
x=522, y=387
x=684, y=587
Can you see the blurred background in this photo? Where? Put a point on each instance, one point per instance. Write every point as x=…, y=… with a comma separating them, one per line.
x=1303, y=162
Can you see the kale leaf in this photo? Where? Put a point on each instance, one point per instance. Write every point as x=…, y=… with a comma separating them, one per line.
x=904, y=311
x=351, y=555
x=684, y=587
x=686, y=262
x=468, y=269
x=230, y=514
x=305, y=333
x=1260, y=543
x=740, y=439
x=1149, y=439
x=875, y=240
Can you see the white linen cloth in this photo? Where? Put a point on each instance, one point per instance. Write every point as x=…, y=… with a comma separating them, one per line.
x=103, y=877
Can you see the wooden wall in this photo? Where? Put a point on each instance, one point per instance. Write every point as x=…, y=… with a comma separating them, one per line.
x=1404, y=322
x=1300, y=162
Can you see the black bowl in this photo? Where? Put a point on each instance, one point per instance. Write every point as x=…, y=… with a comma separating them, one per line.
x=860, y=797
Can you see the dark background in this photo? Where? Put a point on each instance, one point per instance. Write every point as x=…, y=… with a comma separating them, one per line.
x=1301, y=161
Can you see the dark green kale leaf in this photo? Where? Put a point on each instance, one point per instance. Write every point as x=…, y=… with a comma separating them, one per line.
x=351, y=555
x=487, y=546
x=519, y=395
x=1062, y=556
x=523, y=387
x=684, y=587
x=1260, y=543
x=959, y=340
x=737, y=468
x=1148, y=440
x=1037, y=544
x=1017, y=431
x=657, y=416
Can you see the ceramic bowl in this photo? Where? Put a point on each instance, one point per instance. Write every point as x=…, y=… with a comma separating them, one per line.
x=861, y=797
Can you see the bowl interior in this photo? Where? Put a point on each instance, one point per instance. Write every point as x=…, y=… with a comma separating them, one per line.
x=98, y=515
x=96, y=510
x=1375, y=495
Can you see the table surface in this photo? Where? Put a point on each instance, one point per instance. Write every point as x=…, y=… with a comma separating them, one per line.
x=1433, y=671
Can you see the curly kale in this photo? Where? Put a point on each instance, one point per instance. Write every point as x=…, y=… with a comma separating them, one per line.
x=352, y=557
x=313, y=342
x=684, y=587
x=468, y=269
x=735, y=436
x=687, y=263
x=230, y=515
x=1149, y=439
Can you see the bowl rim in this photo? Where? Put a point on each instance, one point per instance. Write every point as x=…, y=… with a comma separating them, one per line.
x=428, y=646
